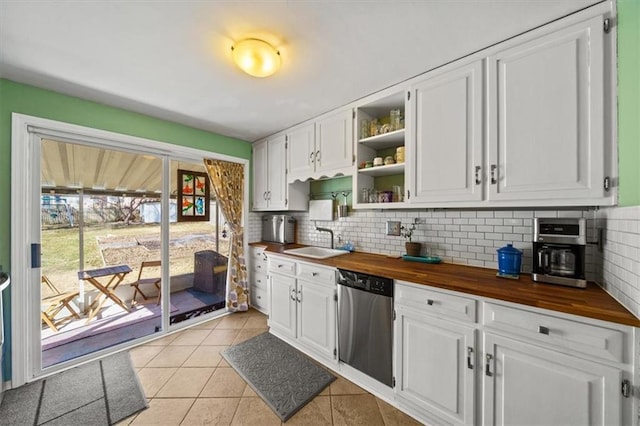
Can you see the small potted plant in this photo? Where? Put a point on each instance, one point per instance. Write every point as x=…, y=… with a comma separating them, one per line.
x=413, y=249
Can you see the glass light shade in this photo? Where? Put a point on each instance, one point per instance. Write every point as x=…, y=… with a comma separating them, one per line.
x=256, y=57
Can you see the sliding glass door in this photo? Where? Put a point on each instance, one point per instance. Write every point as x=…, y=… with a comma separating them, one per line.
x=100, y=248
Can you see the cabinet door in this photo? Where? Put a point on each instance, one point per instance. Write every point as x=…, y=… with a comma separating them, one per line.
x=546, y=113
x=282, y=304
x=446, y=150
x=277, y=171
x=260, y=176
x=334, y=142
x=524, y=384
x=435, y=362
x=302, y=151
x=317, y=317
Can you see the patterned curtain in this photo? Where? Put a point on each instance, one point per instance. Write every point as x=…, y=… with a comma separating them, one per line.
x=227, y=180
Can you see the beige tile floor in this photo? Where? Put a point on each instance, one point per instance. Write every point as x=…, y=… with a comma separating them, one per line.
x=187, y=382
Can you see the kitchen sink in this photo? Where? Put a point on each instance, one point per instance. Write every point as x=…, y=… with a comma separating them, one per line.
x=315, y=252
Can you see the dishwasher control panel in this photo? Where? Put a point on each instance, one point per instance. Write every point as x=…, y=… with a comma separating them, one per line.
x=370, y=283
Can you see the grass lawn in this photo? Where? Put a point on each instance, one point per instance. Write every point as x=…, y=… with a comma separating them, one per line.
x=110, y=245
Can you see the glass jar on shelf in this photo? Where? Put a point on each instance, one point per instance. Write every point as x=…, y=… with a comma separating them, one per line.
x=394, y=120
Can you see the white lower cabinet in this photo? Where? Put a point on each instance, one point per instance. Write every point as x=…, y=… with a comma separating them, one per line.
x=303, y=310
x=259, y=289
x=525, y=384
x=435, y=365
x=532, y=366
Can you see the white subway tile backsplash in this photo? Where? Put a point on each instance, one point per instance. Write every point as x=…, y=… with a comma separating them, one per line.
x=472, y=237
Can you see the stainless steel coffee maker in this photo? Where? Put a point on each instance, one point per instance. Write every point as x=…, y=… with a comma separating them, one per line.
x=559, y=251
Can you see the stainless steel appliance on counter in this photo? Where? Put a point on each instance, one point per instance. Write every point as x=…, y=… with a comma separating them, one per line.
x=559, y=251
x=365, y=324
x=278, y=228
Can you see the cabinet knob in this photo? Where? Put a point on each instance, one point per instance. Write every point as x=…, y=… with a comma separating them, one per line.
x=314, y=274
x=259, y=281
x=430, y=302
x=543, y=330
x=259, y=297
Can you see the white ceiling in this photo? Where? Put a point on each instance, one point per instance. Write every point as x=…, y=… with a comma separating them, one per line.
x=172, y=59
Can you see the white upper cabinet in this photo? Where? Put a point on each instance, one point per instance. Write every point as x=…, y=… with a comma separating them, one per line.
x=334, y=143
x=260, y=173
x=302, y=152
x=546, y=112
x=323, y=148
x=270, y=188
x=445, y=150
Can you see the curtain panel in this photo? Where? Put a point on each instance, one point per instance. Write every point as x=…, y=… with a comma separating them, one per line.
x=227, y=181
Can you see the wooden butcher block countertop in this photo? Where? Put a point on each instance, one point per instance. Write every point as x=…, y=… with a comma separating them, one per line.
x=591, y=302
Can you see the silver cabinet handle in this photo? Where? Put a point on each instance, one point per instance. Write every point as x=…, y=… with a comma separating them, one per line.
x=268, y=195
x=299, y=297
x=264, y=195
x=293, y=295
x=478, y=181
x=469, y=355
x=543, y=330
x=264, y=256
x=318, y=155
x=312, y=157
x=493, y=174
x=487, y=370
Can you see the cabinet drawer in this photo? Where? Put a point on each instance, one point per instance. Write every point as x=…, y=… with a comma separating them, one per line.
x=259, y=280
x=434, y=302
x=258, y=259
x=316, y=274
x=259, y=298
x=280, y=265
x=590, y=339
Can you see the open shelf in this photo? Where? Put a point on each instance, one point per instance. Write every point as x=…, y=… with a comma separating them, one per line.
x=390, y=169
x=385, y=140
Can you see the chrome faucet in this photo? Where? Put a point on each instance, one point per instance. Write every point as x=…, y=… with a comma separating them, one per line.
x=326, y=230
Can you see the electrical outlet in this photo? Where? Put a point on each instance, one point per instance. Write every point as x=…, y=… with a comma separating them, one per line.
x=393, y=227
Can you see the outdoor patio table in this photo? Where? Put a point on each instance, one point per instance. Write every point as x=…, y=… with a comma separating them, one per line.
x=116, y=274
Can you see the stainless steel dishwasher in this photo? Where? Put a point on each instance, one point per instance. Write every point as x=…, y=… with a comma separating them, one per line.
x=365, y=323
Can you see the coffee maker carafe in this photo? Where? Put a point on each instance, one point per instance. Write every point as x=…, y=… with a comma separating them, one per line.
x=559, y=251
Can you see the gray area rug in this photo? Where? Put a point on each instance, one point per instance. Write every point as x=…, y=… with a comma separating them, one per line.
x=101, y=392
x=284, y=377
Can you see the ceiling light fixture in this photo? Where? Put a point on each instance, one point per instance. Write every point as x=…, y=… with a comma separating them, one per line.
x=256, y=57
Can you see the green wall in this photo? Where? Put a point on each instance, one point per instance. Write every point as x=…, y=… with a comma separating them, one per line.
x=29, y=100
x=629, y=101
